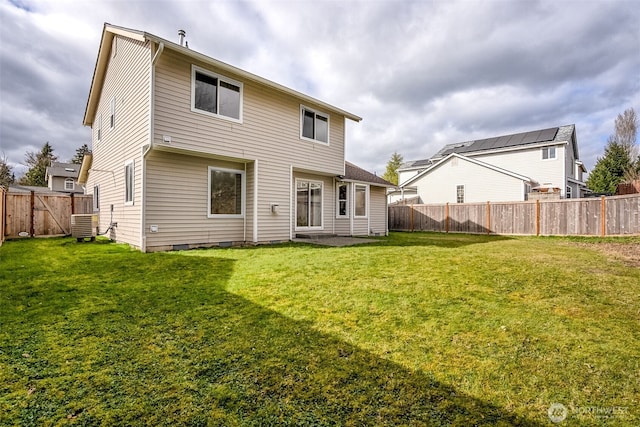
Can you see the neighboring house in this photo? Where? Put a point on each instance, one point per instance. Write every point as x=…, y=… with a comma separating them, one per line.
x=188, y=151
x=537, y=164
x=63, y=177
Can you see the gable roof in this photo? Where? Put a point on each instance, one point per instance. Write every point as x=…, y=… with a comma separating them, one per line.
x=110, y=31
x=468, y=159
x=357, y=174
x=550, y=136
x=66, y=170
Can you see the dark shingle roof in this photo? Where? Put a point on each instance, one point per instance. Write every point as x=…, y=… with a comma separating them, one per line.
x=66, y=170
x=555, y=134
x=355, y=173
x=562, y=133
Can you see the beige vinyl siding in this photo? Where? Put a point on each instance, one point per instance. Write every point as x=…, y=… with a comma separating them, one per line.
x=360, y=226
x=269, y=132
x=378, y=210
x=177, y=202
x=481, y=184
x=343, y=227
x=274, y=181
x=127, y=79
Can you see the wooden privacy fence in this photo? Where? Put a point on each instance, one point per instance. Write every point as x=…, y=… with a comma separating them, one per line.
x=41, y=214
x=3, y=208
x=604, y=216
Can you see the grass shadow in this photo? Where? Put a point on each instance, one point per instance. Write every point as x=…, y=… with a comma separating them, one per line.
x=122, y=338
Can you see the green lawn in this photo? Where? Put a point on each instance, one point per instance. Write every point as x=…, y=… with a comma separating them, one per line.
x=418, y=329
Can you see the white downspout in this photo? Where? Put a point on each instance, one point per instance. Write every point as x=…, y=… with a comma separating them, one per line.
x=244, y=217
x=352, y=206
x=292, y=206
x=147, y=149
x=255, y=201
x=368, y=202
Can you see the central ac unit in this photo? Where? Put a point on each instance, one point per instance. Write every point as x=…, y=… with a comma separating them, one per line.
x=84, y=225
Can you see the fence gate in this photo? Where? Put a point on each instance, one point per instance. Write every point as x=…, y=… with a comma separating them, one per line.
x=42, y=214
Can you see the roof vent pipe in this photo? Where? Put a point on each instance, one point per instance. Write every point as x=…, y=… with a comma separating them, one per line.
x=181, y=34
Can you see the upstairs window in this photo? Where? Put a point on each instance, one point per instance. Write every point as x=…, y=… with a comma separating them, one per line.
x=99, y=126
x=216, y=95
x=112, y=117
x=68, y=184
x=548, y=153
x=314, y=125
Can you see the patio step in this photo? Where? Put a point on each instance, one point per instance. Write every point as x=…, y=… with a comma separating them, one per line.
x=315, y=235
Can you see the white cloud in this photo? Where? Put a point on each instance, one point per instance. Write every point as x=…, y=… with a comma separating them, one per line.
x=421, y=74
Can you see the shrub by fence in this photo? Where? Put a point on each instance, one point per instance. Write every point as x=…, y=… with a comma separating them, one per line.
x=40, y=214
x=616, y=215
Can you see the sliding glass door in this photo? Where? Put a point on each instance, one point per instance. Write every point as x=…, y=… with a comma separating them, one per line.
x=308, y=204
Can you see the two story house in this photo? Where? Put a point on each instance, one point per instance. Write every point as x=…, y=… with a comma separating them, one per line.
x=537, y=164
x=63, y=177
x=188, y=151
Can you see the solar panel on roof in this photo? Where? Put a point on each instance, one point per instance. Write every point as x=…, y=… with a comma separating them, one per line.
x=548, y=134
x=516, y=139
x=530, y=137
x=502, y=141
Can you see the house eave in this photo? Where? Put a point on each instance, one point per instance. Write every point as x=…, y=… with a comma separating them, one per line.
x=110, y=31
x=469, y=159
x=374, y=184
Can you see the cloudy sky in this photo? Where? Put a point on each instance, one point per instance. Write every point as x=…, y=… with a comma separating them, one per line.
x=421, y=73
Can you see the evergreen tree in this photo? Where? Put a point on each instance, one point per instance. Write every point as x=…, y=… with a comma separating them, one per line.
x=6, y=172
x=38, y=163
x=80, y=152
x=610, y=170
x=391, y=173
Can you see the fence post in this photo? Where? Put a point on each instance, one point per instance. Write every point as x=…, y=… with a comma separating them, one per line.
x=32, y=219
x=537, y=217
x=446, y=217
x=488, y=218
x=73, y=205
x=411, y=217
x=603, y=214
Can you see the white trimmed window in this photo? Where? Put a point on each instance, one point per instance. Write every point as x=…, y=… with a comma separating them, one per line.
x=361, y=196
x=342, y=205
x=68, y=184
x=226, y=193
x=460, y=193
x=96, y=198
x=314, y=125
x=129, y=180
x=548, y=153
x=308, y=204
x=215, y=95
x=112, y=117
